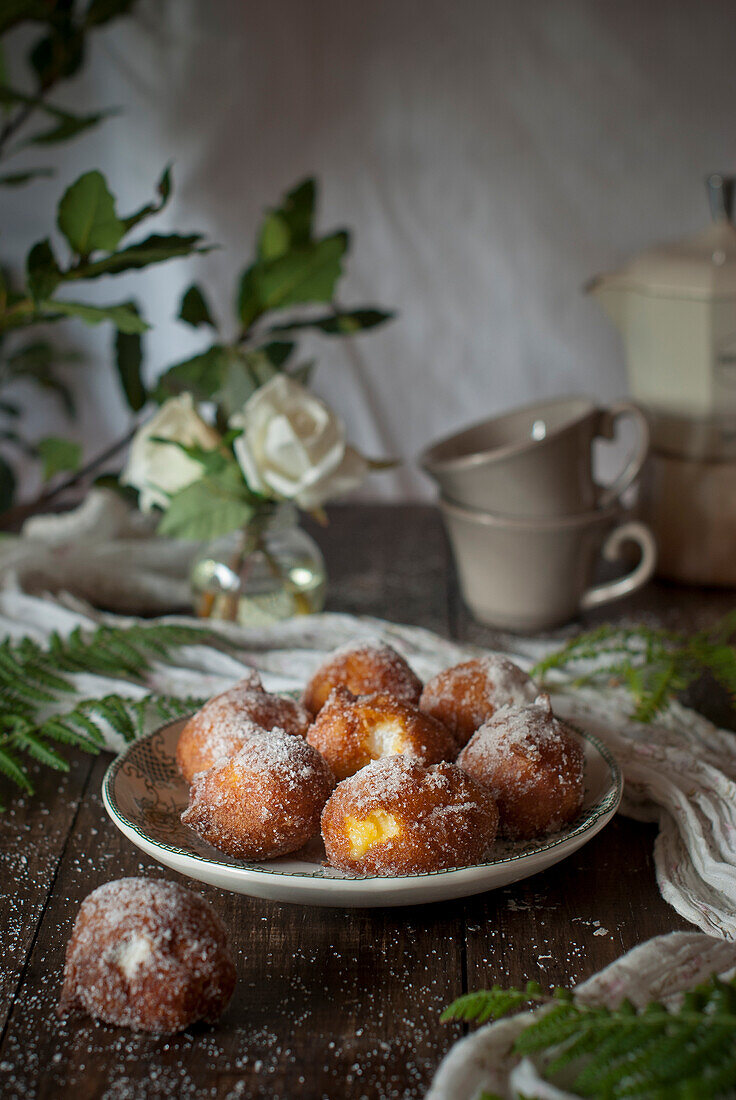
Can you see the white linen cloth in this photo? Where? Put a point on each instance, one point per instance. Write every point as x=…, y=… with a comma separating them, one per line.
x=102, y=551
x=679, y=771
x=659, y=969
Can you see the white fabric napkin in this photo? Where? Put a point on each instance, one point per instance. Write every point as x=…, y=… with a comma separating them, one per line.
x=679, y=771
x=657, y=970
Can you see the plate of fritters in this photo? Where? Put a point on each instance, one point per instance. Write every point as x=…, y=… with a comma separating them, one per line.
x=371, y=789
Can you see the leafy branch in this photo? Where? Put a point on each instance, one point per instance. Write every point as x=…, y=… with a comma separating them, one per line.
x=654, y=1052
x=95, y=237
x=93, y=233
x=38, y=704
x=55, y=56
x=654, y=665
x=293, y=269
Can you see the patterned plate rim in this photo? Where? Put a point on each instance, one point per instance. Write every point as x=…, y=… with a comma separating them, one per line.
x=608, y=804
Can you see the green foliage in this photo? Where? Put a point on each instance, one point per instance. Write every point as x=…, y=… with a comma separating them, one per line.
x=58, y=455
x=654, y=665
x=7, y=484
x=213, y=506
x=341, y=322
x=35, y=686
x=491, y=1004
x=42, y=271
x=194, y=309
x=123, y=317
x=128, y=360
x=293, y=266
x=87, y=218
x=90, y=226
x=307, y=273
x=657, y=1053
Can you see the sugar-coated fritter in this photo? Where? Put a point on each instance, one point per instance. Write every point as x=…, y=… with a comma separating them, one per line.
x=362, y=669
x=148, y=955
x=350, y=732
x=265, y=801
x=533, y=765
x=467, y=695
x=398, y=817
x=225, y=723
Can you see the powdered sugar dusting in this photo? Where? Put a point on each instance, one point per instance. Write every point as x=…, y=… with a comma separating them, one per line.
x=467, y=695
x=532, y=763
x=445, y=818
x=149, y=955
x=363, y=669
x=264, y=801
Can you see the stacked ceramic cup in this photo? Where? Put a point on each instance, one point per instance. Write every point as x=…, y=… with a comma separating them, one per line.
x=527, y=521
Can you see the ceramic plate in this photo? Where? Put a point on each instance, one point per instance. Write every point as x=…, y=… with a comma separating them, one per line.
x=144, y=795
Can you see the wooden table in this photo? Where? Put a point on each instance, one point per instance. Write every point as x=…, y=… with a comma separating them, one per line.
x=329, y=1003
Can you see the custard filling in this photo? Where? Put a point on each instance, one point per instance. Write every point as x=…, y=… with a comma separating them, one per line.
x=385, y=739
x=364, y=832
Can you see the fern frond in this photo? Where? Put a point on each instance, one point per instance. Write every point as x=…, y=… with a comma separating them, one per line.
x=651, y=1054
x=13, y=769
x=489, y=1004
x=40, y=751
x=654, y=665
x=36, y=678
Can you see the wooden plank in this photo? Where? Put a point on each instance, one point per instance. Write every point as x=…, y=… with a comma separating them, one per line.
x=388, y=560
x=563, y=925
x=33, y=833
x=329, y=1002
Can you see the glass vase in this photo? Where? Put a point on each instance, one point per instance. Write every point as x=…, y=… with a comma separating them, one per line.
x=269, y=571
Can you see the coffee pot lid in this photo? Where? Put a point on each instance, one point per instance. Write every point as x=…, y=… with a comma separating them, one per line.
x=702, y=266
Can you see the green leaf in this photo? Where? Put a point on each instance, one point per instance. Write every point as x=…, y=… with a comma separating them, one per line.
x=248, y=305
x=207, y=509
x=58, y=455
x=243, y=372
x=68, y=126
x=102, y=11
x=43, y=273
x=240, y=381
x=15, y=179
x=291, y=224
x=277, y=351
x=202, y=375
x=123, y=317
x=128, y=359
x=163, y=190
x=306, y=274
x=274, y=238
x=153, y=250
x=87, y=217
x=213, y=460
x=59, y=54
x=194, y=309
x=7, y=485
x=341, y=322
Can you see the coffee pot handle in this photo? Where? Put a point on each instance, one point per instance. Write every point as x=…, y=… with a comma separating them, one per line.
x=633, y=531
x=607, y=426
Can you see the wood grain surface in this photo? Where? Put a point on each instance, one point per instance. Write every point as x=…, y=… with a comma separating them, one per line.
x=329, y=1003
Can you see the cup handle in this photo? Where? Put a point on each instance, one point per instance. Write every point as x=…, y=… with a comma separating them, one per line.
x=614, y=590
x=609, y=417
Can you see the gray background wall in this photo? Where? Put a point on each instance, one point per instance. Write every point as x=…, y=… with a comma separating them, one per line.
x=490, y=157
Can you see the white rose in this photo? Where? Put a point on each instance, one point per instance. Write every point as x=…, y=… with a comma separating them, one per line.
x=293, y=446
x=157, y=469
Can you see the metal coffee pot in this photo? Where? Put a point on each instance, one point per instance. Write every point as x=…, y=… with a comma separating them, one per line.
x=675, y=306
